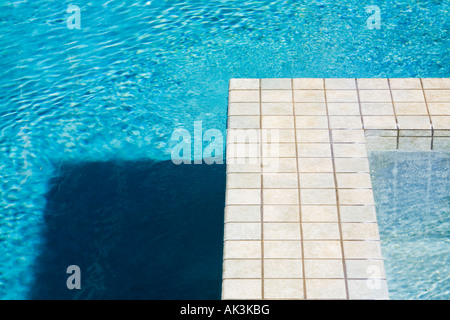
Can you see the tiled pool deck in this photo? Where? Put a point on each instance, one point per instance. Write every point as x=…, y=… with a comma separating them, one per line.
x=300, y=219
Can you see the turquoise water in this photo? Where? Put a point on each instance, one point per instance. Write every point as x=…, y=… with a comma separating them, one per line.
x=412, y=195
x=115, y=90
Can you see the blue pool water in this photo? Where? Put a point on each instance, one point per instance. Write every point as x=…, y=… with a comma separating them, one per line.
x=113, y=92
x=412, y=195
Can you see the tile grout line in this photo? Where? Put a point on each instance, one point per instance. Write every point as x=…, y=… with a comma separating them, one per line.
x=337, y=195
x=395, y=113
x=305, y=295
x=262, y=188
x=359, y=104
x=429, y=115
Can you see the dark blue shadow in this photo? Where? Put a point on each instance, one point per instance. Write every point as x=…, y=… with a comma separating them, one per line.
x=137, y=230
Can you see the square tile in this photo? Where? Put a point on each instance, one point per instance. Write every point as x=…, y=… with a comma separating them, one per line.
x=340, y=83
x=244, y=96
x=342, y=136
x=342, y=96
x=283, y=150
x=318, y=136
x=241, y=269
x=405, y=83
x=374, y=143
x=345, y=122
x=362, y=249
x=408, y=96
x=309, y=96
x=414, y=122
x=373, y=84
x=280, y=180
x=356, y=196
x=311, y=122
x=244, y=84
x=352, y=164
x=281, y=231
x=242, y=150
x=242, y=231
x=280, y=196
x=278, y=136
x=242, y=289
x=441, y=143
x=243, y=122
x=314, y=150
x=436, y=83
x=319, y=213
x=276, y=84
x=441, y=122
x=365, y=269
x=243, y=181
x=349, y=150
x=358, y=213
x=437, y=95
x=283, y=289
x=276, y=268
x=282, y=249
x=375, y=96
x=277, y=109
x=326, y=289
x=236, y=249
x=439, y=109
x=380, y=122
x=244, y=135
x=372, y=289
x=310, y=109
x=411, y=109
x=315, y=165
x=243, y=196
x=360, y=231
x=279, y=165
x=276, y=96
x=343, y=109
x=321, y=231
x=281, y=213
x=316, y=180
x=322, y=249
x=308, y=83
x=354, y=180
x=415, y=143
x=377, y=109
x=243, y=214
x=277, y=122
x=247, y=166
x=243, y=109
x=330, y=269
x=318, y=196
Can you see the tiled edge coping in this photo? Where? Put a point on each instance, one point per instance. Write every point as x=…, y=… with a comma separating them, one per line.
x=300, y=219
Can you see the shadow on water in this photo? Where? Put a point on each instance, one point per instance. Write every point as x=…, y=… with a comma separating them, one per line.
x=137, y=230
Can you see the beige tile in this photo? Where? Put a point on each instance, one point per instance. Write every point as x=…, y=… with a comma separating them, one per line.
x=309, y=96
x=373, y=289
x=365, y=269
x=375, y=96
x=280, y=196
x=249, y=166
x=276, y=84
x=279, y=165
x=342, y=96
x=243, y=196
x=244, y=96
x=345, y=122
x=354, y=180
x=278, y=135
x=245, y=289
x=441, y=122
x=321, y=231
x=308, y=83
x=360, y=231
x=276, y=268
x=381, y=84
x=241, y=269
x=318, y=196
x=242, y=249
x=318, y=136
x=437, y=95
x=322, y=249
x=316, y=180
x=315, y=165
x=283, y=150
x=241, y=150
x=374, y=143
x=244, y=84
x=311, y=122
x=340, y=83
x=243, y=214
x=349, y=150
x=243, y=180
x=319, y=214
x=414, y=144
x=377, y=109
x=348, y=136
x=362, y=249
x=326, y=289
x=281, y=231
x=411, y=108
x=352, y=164
x=356, y=196
x=242, y=231
x=277, y=109
x=406, y=83
x=439, y=109
x=282, y=249
x=358, y=214
x=380, y=122
x=243, y=122
x=330, y=269
x=414, y=122
x=280, y=180
x=244, y=135
x=283, y=289
x=314, y=150
x=277, y=122
x=310, y=109
x=281, y=213
x=243, y=109
x=276, y=96
x=343, y=109
x=408, y=96
x=436, y=83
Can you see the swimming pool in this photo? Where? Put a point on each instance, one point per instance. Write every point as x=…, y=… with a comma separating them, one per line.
x=412, y=193
x=114, y=91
